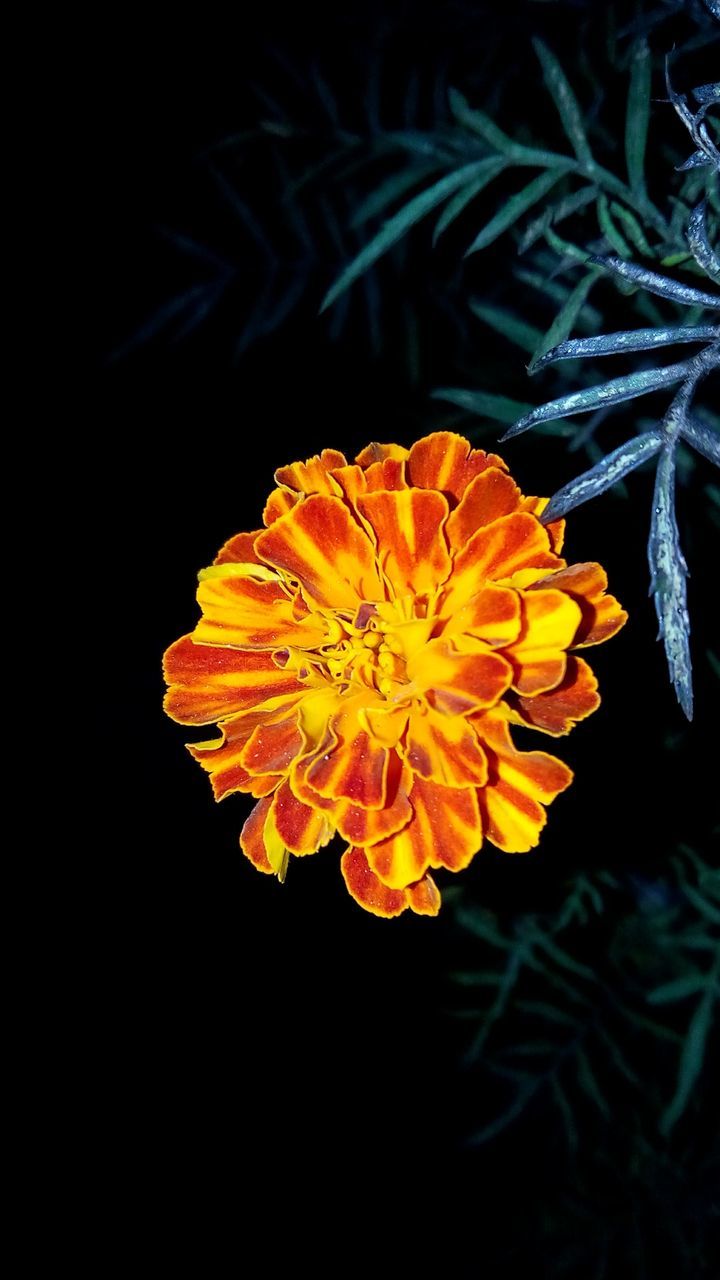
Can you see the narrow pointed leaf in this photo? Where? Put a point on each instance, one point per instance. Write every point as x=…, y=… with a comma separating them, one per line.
x=483, y=403
x=604, y=475
x=610, y=231
x=478, y=122
x=631, y=226
x=700, y=247
x=668, y=573
x=610, y=344
x=691, y=1061
x=588, y=1082
x=702, y=438
x=505, y=1118
x=678, y=989
x=454, y=207
x=524, y=335
x=657, y=284
x=400, y=224
x=556, y=214
x=393, y=188
x=564, y=320
x=565, y=101
x=637, y=117
x=513, y=209
x=614, y=392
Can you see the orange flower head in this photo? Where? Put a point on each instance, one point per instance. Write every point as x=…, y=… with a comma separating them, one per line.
x=365, y=655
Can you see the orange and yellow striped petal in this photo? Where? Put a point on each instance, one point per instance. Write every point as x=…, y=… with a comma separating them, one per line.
x=520, y=784
x=550, y=620
x=444, y=831
x=252, y=840
x=493, y=615
x=239, y=550
x=364, y=886
x=602, y=616
x=319, y=544
x=458, y=683
x=445, y=749
x=408, y=525
x=489, y=496
x=556, y=528
x=209, y=683
x=499, y=550
x=301, y=828
x=557, y=711
x=278, y=504
x=446, y=461
x=379, y=452
x=313, y=475
x=249, y=613
x=222, y=758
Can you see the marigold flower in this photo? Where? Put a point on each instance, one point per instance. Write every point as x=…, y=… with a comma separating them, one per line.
x=366, y=653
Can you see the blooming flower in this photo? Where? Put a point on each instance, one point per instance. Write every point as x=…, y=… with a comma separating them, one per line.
x=366, y=653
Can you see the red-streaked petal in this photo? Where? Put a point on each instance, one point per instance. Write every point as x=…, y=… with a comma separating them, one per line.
x=251, y=614
x=498, y=550
x=222, y=758
x=556, y=528
x=239, y=550
x=209, y=683
x=444, y=749
x=312, y=476
x=490, y=495
x=458, y=683
x=278, y=504
x=388, y=474
x=302, y=829
x=550, y=621
x=379, y=452
x=446, y=461
x=411, y=546
x=520, y=784
x=557, y=711
x=364, y=886
x=271, y=748
x=602, y=615
x=367, y=826
x=445, y=831
x=354, y=769
x=320, y=544
x=251, y=836
x=493, y=614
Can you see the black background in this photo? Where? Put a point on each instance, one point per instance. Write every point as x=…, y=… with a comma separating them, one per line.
x=274, y=1064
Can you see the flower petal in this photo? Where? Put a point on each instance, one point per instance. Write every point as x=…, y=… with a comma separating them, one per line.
x=446, y=461
x=209, y=683
x=557, y=711
x=496, y=551
x=252, y=840
x=248, y=613
x=458, y=683
x=602, y=615
x=556, y=528
x=445, y=831
x=493, y=614
x=490, y=495
x=240, y=549
x=363, y=826
x=379, y=452
x=320, y=545
x=272, y=747
x=279, y=503
x=550, y=621
x=354, y=768
x=520, y=783
x=222, y=758
x=363, y=885
x=301, y=828
x=411, y=545
x=444, y=749
x=312, y=476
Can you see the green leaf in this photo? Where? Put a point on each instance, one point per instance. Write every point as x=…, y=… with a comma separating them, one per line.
x=678, y=989
x=524, y=335
x=637, y=117
x=505, y=1118
x=400, y=224
x=588, y=1082
x=513, y=209
x=691, y=1061
x=610, y=231
x=565, y=319
x=565, y=101
x=632, y=227
x=483, y=403
x=480, y=123
x=393, y=188
x=454, y=207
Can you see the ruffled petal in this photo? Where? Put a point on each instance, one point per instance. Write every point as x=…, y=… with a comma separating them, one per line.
x=602, y=615
x=312, y=476
x=379, y=452
x=209, y=683
x=272, y=747
x=489, y=496
x=556, y=528
x=493, y=615
x=557, y=711
x=444, y=749
x=249, y=613
x=446, y=461
x=445, y=831
x=319, y=544
x=240, y=549
x=223, y=758
x=550, y=621
x=458, y=683
x=354, y=768
x=301, y=829
x=278, y=504
x=520, y=783
x=498, y=550
x=363, y=885
x=408, y=524
x=252, y=840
